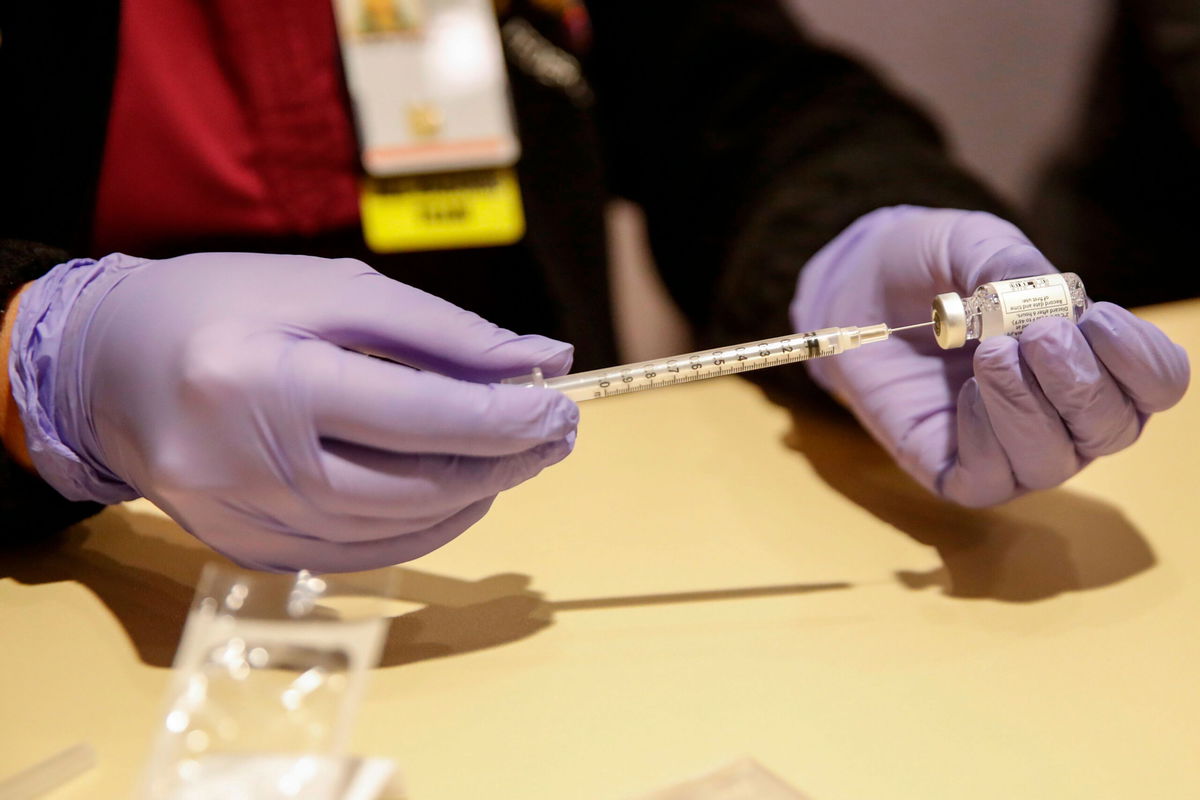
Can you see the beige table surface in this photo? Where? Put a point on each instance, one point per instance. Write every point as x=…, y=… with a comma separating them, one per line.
x=703, y=580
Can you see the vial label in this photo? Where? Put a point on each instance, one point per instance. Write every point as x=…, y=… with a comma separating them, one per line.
x=1025, y=300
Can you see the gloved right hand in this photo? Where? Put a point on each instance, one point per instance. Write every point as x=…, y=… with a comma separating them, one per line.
x=984, y=423
x=234, y=392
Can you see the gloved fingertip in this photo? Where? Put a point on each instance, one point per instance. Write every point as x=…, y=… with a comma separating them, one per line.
x=573, y=412
x=1055, y=345
x=997, y=356
x=566, y=411
x=1183, y=371
x=558, y=362
x=970, y=401
x=1054, y=329
x=1175, y=373
x=1111, y=315
x=963, y=490
x=1026, y=426
x=554, y=452
x=1153, y=369
x=980, y=475
x=560, y=415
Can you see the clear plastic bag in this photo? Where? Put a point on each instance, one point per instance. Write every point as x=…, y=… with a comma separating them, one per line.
x=268, y=677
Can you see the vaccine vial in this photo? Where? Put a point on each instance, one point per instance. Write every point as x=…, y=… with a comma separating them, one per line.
x=1005, y=308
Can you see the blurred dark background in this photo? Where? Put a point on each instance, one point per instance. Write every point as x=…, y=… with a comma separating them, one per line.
x=1006, y=79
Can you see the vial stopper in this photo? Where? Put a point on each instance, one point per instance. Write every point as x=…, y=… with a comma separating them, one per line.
x=949, y=321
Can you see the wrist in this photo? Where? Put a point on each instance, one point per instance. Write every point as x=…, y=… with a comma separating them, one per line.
x=12, y=430
x=49, y=383
x=21, y=262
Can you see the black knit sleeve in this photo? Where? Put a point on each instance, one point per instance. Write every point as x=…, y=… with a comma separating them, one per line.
x=750, y=147
x=1119, y=201
x=29, y=507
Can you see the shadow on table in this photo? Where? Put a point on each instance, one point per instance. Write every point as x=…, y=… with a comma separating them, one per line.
x=145, y=579
x=1032, y=548
x=144, y=568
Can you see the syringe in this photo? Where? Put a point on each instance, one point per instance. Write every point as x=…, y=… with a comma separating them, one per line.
x=659, y=373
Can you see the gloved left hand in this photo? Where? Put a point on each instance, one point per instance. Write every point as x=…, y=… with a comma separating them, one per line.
x=235, y=391
x=981, y=424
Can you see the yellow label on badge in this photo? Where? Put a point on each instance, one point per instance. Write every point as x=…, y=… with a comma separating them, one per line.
x=478, y=208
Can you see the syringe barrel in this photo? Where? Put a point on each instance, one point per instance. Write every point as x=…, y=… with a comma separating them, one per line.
x=688, y=367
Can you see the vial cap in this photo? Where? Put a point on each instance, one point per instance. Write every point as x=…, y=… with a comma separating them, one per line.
x=949, y=321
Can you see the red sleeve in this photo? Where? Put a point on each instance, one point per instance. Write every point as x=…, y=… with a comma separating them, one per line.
x=228, y=119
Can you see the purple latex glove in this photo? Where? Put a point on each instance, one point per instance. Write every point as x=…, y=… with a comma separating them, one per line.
x=981, y=424
x=232, y=390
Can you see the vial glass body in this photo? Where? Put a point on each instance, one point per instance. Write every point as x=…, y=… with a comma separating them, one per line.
x=1006, y=308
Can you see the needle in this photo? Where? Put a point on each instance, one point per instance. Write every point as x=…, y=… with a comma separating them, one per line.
x=910, y=327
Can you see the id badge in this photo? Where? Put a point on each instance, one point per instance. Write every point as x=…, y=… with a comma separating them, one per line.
x=428, y=83
x=435, y=125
